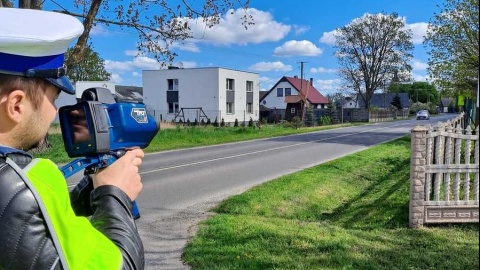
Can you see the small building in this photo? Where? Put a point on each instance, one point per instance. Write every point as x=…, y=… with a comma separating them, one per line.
x=286, y=96
x=128, y=93
x=201, y=93
x=447, y=105
x=378, y=100
x=347, y=102
x=81, y=86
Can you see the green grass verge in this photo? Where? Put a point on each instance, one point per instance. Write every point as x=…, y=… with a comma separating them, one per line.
x=186, y=137
x=338, y=215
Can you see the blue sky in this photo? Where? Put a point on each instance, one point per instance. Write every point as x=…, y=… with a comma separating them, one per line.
x=285, y=33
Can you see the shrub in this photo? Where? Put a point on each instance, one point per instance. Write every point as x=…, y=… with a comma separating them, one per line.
x=222, y=124
x=324, y=120
x=297, y=122
x=250, y=122
x=417, y=106
x=236, y=123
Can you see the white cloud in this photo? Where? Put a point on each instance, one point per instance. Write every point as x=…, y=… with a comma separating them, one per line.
x=186, y=64
x=266, y=83
x=263, y=79
x=420, y=78
x=116, y=78
x=419, y=30
x=322, y=70
x=131, y=53
x=109, y=31
x=300, y=48
x=270, y=66
x=299, y=30
x=327, y=86
x=418, y=65
x=116, y=65
x=186, y=46
x=141, y=62
x=328, y=37
x=231, y=31
x=100, y=30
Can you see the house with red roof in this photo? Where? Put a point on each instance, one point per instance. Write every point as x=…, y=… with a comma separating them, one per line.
x=287, y=94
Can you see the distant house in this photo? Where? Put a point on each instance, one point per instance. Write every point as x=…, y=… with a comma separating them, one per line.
x=347, y=102
x=126, y=93
x=287, y=94
x=378, y=100
x=447, y=105
x=81, y=86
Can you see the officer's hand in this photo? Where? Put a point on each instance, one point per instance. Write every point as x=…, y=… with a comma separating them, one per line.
x=123, y=173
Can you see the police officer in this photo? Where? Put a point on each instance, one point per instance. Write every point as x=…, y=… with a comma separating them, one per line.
x=42, y=225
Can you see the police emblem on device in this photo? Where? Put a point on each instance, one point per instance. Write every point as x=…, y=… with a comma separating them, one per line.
x=140, y=115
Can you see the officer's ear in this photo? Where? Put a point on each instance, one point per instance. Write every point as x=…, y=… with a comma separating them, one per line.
x=14, y=105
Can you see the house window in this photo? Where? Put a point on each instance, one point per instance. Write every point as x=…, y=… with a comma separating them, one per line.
x=172, y=84
x=279, y=92
x=249, y=108
x=172, y=107
x=288, y=91
x=249, y=86
x=231, y=84
x=292, y=110
x=230, y=108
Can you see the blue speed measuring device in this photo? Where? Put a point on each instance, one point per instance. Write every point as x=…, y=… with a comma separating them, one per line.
x=98, y=130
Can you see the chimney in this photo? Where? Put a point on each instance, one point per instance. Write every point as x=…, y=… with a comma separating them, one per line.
x=296, y=77
x=311, y=81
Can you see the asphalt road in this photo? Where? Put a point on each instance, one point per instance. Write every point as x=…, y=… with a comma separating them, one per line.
x=181, y=186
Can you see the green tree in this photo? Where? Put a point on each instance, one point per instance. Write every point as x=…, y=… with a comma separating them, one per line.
x=92, y=68
x=423, y=92
x=453, y=40
x=371, y=50
x=156, y=30
x=397, y=102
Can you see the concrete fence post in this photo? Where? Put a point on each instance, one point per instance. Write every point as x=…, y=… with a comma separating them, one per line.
x=417, y=176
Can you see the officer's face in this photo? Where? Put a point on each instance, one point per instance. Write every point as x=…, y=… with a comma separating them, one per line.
x=41, y=118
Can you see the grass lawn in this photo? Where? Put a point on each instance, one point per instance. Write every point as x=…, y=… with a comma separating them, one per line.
x=350, y=213
x=185, y=137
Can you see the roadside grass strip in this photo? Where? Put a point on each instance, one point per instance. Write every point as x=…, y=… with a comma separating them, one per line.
x=349, y=213
x=191, y=136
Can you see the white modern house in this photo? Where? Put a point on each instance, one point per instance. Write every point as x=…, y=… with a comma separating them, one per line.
x=202, y=94
x=81, y=86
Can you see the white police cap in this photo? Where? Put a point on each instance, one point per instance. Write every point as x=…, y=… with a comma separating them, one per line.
x=33, y=44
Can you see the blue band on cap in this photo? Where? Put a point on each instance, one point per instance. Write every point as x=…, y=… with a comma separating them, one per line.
x=19, y=64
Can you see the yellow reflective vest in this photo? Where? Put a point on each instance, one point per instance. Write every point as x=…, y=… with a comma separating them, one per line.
x=78, y=243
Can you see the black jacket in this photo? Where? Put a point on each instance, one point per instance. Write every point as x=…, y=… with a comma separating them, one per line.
x=25, y=242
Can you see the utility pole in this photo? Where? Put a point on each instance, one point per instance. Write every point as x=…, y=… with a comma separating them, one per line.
x=302, y=96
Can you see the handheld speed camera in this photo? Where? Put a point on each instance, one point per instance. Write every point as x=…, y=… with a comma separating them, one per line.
x=98, y=130
x=99, y=125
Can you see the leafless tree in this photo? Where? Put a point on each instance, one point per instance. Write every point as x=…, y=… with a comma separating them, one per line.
x=158, y=23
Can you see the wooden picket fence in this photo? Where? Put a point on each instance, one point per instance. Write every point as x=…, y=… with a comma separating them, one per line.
x=444, y=174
